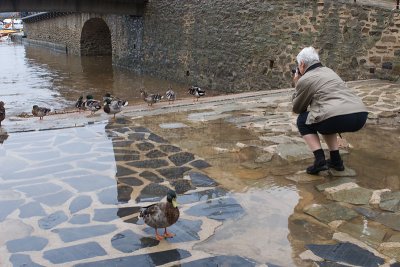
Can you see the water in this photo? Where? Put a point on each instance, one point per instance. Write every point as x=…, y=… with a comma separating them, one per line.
x=36, y=76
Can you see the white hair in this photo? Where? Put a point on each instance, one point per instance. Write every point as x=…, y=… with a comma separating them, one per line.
x=308, y=55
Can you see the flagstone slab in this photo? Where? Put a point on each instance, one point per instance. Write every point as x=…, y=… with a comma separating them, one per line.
x=181, y=158
x=80, y=219
x=293, y=152
x=74, y=253
x=90, y=183
x=71, y=234
x=327, y=213
x=8, y=206
x=151, y=259
x=202, y=195
x=152, y=192
x=132, y=181
x=30, y=243
x=200, y=164
x=123, y=171
x=137, y=136
x=151, y=163
x=201, y=180
x=52, y=220
x=126, y=157
x=356, y=196
x=335, y=183
x=169, y=148
x=182, y=185
x=184, y=230
x=80, y=203
x=39, y=189
x=37, y=172
x=75, y=148
x=156, y=138
x=23, y=260
x=218, y=209
x=105, y=215
x=173, y=173
x=128, y=241
x=145, y=146
x=346, y=253
x=370, y=235
x=31, y=209
x=390, y=201
x=346, y=173
x=124, y=193
x=155, y=154
x=152, y=177
x=55, y=199
x=391, y=220
x=173, y=125
x=126, y=211
x=233, y=261
x=108, y=196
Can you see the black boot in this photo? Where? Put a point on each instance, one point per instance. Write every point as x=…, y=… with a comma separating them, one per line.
x=319, y=163
x=335, y=162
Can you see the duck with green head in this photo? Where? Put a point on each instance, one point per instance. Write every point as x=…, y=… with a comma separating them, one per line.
x=162, y=215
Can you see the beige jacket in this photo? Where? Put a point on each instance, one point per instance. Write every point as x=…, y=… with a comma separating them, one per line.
x=324, y=94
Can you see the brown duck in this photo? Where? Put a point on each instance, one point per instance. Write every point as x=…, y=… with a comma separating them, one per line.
x=162, y=215
x=2, y=112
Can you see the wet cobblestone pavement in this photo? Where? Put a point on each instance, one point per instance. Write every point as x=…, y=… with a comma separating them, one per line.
x=71, y=189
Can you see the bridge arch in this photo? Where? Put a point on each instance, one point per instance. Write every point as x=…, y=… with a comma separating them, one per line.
x=95, y=38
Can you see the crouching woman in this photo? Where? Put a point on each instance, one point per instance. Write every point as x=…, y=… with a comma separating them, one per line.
x=325, y=106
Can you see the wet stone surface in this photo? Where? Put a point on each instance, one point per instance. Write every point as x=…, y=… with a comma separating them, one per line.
x=23, y=260
x=32, y=243
x=217, y=209
x=127, y=241
x=221, y=261
x=73, y=253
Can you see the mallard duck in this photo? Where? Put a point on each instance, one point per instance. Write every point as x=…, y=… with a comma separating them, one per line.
x=2, y=112
x=197, y=92
x=107, y=97
x=162, y=215
x=91, y=104
x=170, y=95
x=150, y=99
x=113, y=105
x=80, y=104
x=40, y=111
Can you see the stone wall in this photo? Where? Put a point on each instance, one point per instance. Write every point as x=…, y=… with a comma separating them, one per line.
x=242, y=45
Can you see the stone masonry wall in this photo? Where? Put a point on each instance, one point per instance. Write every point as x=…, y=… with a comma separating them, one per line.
x=251, y=45
x=126, y=35
x=242, y=45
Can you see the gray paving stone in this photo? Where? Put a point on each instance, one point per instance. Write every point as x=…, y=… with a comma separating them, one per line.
x=78, y=233
x=122, y=144
x=202, y=195
x=80, y=203
x=346, y=253
x=23, y=260
x=156, y=138
x=126, y=211
x=141, y=129
x=137, y=136
x=124, y=193
x=55, y=199
x=90, y=182
x=41, y=156
x=105, y=215
x=200, y=164
x=30, y=243
x=7, y=207
x=31, y=209
x=73, y=253
x=181, y=158
x=169, y=148
x=37, y=172
x=335, y=183
x=52, y=220
x=173, y=173
x=108, y=196
x=356, y=196
x=184, y=230
x=232, y=261
x=75, y=148
x=201, y=180
x=327, y=213
x=123, y=171
x=151, y=259
x=152, y=192
x=128, y=241
x=182, y=185
x=80, y=219
x=151, y=163
x=152, y=177
x=155, y=154
x=132, y=181
x=391, y=220
x=145, y=146
x=218, y=209
x=127, y=157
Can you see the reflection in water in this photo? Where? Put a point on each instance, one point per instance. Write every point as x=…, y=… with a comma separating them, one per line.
x=34, y=75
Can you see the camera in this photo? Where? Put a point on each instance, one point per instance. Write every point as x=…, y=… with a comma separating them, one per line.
x=295, y=70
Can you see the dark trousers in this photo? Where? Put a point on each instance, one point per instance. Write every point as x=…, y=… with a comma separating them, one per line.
x=338, y=124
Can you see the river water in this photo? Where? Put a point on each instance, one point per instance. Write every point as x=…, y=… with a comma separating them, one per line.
x=36, y=76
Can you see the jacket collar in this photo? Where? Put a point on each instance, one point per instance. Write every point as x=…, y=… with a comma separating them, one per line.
x=314, y=66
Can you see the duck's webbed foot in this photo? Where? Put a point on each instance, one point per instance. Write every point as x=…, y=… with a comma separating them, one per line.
x=168, y=235
x=159, y=237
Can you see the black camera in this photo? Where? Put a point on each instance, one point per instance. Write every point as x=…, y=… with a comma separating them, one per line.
x=295, y=70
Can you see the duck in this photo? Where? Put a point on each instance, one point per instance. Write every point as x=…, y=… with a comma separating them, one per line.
x=114, y=105
x=80, y=104
x=170, y=95
x=91, y=104
x=197, y=92
x=162, y=215
x=150, y=99
x=107, y=97
x=2, y=112
x=40, y=111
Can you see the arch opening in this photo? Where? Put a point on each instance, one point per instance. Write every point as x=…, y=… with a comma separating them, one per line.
x=96, y=38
